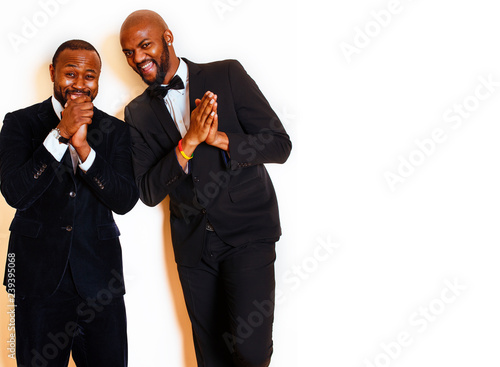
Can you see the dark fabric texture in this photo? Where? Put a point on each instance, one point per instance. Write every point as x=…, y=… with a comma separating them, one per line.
x=236, y=196
x=230, y=301
x=65, y=218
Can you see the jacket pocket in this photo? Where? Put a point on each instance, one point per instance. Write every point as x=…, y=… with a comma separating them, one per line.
x=248, y=190
x=107, y=231
x=25, y=227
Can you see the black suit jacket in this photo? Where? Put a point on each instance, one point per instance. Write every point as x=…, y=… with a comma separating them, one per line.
x=235, y=195
x=64, y=217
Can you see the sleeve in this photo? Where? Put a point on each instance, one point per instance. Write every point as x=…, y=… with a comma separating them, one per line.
x=54, y=147
x=85, y=166
x=264, y=139
x=112, y=181
x=155, y=178
x=26, y=170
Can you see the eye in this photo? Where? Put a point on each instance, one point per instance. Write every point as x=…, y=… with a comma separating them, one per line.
x=127, y=53
x=71, y=75
x=90, y=77
x=146, y=45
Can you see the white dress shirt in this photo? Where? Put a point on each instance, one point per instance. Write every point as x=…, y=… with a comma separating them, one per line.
x=57, y=149
x=177, y=101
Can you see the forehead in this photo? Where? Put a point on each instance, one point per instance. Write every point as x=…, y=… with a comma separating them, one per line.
x=132, y=36
x=82, y=59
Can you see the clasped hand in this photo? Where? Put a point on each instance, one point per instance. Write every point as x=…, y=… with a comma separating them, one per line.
x=76, y=117
x=204, y=121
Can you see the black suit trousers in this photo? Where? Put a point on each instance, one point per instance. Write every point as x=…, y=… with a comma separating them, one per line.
x=230, y=301
x=49, y=328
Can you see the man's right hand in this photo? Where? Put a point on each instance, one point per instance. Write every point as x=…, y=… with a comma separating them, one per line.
x=202, y=118
x=78, y=111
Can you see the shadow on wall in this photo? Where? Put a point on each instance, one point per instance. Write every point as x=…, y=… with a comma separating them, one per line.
x=6, y=215
x=111, y=54
x=176, y=290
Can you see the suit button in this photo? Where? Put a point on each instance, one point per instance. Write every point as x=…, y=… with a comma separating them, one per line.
x=203, y=211
x=72, y=194
x=196, y=179
x=69, y=228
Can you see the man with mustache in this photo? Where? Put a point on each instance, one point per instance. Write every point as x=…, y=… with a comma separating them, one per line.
x=201, y=134
x=66, y=166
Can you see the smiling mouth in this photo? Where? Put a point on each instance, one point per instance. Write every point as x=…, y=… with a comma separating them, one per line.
x=146, y=67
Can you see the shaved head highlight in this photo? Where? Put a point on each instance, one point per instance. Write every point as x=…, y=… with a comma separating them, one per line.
x=142, y=17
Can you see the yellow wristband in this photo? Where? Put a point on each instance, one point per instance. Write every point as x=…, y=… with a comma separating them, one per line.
x=182, y=151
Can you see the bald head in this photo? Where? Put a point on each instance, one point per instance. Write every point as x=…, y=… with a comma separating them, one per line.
x=141, y=18
x=147, y=44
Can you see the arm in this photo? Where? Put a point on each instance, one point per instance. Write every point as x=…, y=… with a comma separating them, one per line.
x=264, y=139
x=113, y=181
x=156, y=178
x=25, y=171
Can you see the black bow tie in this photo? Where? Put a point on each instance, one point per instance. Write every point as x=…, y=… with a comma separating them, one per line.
x=162, y=90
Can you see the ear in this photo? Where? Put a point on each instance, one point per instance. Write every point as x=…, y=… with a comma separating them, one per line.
x=168, y=36
x=52, y=72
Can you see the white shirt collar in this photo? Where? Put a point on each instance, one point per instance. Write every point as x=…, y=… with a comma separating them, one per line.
x=58, y=108
x=182, y=71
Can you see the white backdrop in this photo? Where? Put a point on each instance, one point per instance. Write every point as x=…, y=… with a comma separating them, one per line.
x=389, y=201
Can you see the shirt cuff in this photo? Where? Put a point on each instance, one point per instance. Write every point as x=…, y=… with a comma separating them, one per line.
x=54, y=147
x=85, y=166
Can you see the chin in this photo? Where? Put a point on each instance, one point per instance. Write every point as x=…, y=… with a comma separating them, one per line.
x=148, y=82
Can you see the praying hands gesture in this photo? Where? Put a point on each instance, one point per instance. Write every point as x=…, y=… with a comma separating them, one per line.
x=203, y=128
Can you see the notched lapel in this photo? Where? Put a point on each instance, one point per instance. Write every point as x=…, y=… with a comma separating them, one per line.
x=196, y=83
x=164, y=118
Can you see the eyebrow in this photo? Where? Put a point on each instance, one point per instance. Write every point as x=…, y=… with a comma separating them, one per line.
x=138, y=45
x=75, y=66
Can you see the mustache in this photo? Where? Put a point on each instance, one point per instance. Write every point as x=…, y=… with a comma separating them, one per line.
x=81, y=91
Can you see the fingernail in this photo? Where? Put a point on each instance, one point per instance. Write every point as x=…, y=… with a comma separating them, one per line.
x=212, y=101
x=212, y=113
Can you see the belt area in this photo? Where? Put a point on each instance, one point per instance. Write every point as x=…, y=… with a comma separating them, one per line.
x=209, y=227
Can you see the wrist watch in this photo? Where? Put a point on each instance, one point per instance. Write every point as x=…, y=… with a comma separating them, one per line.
x=57, y=134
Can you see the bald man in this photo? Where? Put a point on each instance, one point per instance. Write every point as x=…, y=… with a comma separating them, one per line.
x=201, y=134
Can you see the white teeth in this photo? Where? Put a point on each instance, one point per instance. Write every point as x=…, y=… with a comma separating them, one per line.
x=146, y=66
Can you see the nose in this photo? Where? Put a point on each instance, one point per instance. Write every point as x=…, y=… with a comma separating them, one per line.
x=139, y=57
x=79, y=82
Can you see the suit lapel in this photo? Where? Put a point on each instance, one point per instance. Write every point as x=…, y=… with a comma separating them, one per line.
x=47, y=117
x=196, y=83
x=164, y=119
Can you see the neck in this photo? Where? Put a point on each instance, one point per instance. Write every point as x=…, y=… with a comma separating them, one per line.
x=174, y=65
